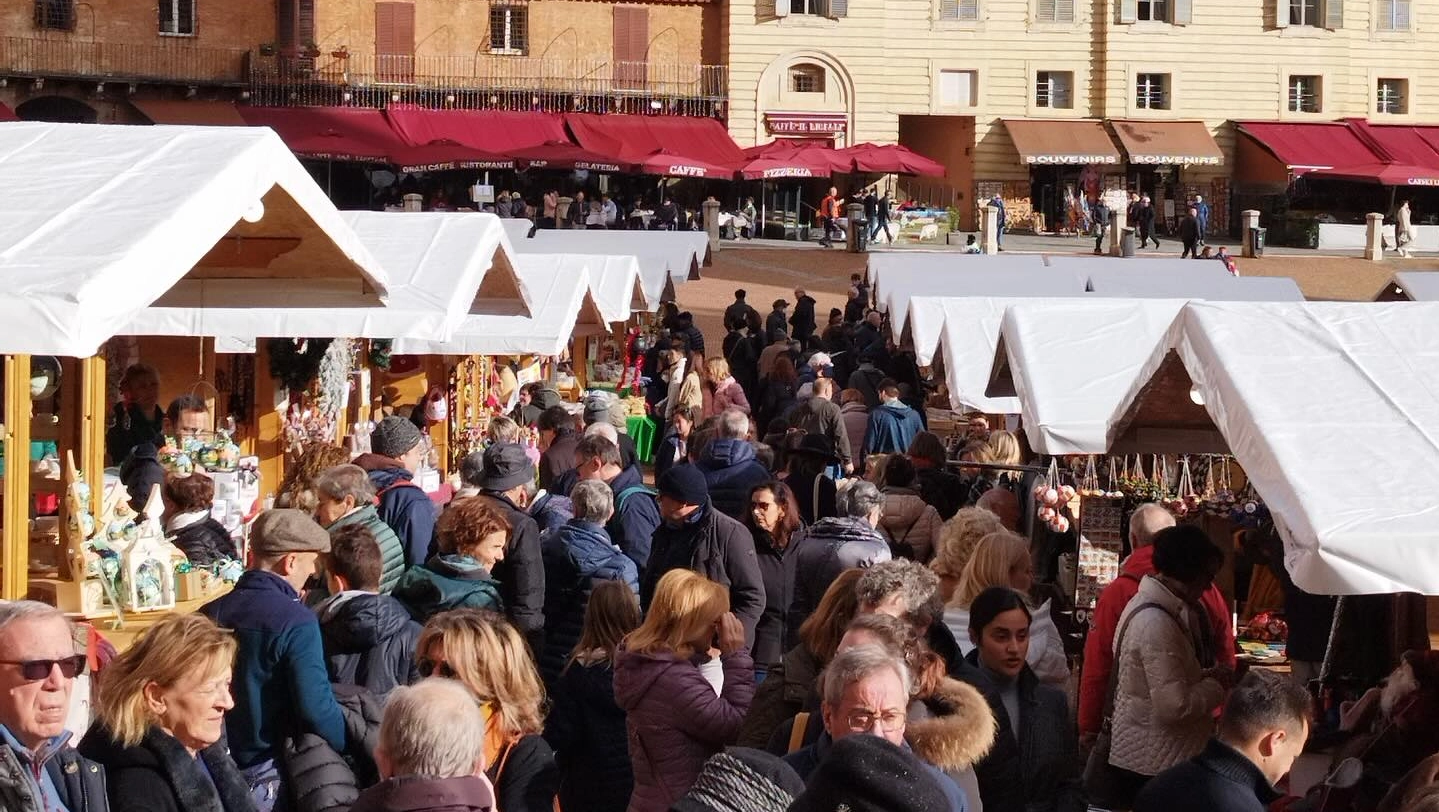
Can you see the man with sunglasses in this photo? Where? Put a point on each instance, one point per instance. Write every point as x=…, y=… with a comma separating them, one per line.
x=38, y=768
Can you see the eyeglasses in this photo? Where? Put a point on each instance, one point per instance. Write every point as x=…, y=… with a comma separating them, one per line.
x=430, y=668
x=862, y=721
x=35, y=670
x=761, y=505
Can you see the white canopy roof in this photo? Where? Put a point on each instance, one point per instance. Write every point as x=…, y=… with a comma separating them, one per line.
x=99, y=222
x=516, y=228
x=1411, y=286
x=617, y=286
x=561, y=302
x=906, y=290
x=1283, y=383
x=967, y=344
x=1070, y=361
x=1207, y=280
x=655, y=280
x=442, y=267
x=684, y=251
x=1089, y=263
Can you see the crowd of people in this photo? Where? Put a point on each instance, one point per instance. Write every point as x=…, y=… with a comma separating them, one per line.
x=809, y=610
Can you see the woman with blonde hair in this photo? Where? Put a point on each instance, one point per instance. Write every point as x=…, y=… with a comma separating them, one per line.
x=675, y=720
x=485, y=653
x=160, y=719
x=585, y=726
x=957, y=540
x=721, y=390
x=1002, y=559
x=298, y=488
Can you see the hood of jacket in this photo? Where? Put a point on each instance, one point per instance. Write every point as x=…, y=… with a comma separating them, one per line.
x=898, y=407
x=854, y=408
x=726, y=453
x=383, y=471
x=423, y=793
x=636, y=672
x=358, y=621
x=588, y=544
x=837, y=529
x=959, y=728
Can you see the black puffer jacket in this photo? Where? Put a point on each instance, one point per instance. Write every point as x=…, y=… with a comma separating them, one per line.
x=821, y=552
x=522, y=572
x=318, y=779
x=159, y=775
x=587, y=730
x=369, y=641
x=205, y=542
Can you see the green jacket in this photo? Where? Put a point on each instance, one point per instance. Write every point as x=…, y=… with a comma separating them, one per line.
x=448, y=582
x=392, y=552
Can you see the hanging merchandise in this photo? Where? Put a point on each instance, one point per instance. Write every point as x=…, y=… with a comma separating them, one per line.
x=380, y=349
x=296, y=362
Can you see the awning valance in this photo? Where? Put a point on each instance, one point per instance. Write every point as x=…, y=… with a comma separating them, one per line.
x=1062, y=141
x=496, y=132
x=334, y=133
x=1304, y=147
x=1167, y=142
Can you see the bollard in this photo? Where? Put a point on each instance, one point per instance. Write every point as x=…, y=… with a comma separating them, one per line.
x=854, y=241
x=413, y=202
x=711, y=209
x=1374, y=237
x=989, y=231
x=1118, y=221
x=562, y=212
x=1248, y=221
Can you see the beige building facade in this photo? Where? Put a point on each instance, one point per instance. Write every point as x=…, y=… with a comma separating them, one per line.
x=945, y=77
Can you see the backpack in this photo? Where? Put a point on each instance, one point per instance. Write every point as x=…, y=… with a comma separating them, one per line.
x=624, y=495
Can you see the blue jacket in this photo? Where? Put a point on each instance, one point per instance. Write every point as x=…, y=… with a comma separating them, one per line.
x=281, y=685
x=636, y=517
x=369, y=641
x=731, y=470
x=403, y=506
x=447, y=582
x=577, y=557
x=892, y=427
x=551, y=510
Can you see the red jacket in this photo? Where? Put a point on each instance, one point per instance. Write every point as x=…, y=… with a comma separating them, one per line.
x=1099, y=647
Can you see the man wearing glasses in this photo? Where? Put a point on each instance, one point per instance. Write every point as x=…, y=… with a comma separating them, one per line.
x=38, y=770
x=188, y=418
x=865, y=691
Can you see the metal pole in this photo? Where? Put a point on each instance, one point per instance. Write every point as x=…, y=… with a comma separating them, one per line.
x=1329, y=646
x=997, y=466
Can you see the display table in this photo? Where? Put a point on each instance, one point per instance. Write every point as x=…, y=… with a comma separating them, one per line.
x=641, y=429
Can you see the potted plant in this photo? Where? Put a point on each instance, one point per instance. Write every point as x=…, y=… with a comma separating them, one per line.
x=954, y=236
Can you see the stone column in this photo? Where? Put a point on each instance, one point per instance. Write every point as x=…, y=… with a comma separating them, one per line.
x=1374, y=237
x=413, y=202
x=1248, y=221
x=1118, y=221
x=711, y=209
x=989, y=230
x=562, y=212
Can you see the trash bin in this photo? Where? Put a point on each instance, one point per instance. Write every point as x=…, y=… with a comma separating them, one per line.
x=1126, y=242
x=1256, y=240
x=859, y=236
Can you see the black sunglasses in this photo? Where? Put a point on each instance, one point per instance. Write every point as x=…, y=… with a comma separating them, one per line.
x=428, y=668
x=33, y=670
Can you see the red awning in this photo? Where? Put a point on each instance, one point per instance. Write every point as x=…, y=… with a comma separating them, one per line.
x=564, y=155
x=637, y=138
x=1304, y=147
x=335, y=133
x=1398, y=143
x=802, y=162
x=891, y=159
x=493, y=132
x=443, y=155
x=1386, y=174
x=6, y=114
x=673, y=165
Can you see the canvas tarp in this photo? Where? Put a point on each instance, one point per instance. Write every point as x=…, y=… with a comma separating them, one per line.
x=617, y=286
x=1209, y=280
x=967, y=343
x=684, y=251
x=1418, y=286
x=902, y=284
x=655, y=279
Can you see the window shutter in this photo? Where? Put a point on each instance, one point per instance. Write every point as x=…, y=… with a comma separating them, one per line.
x=385, y=29
x=969, y=9
x=631, y=27
x=285, y=18
x=949, y=9
x=1046, y=11
x=305, y=21
x=1064, y=11
x=187, y=16
x=1129, y=11
x=1281, y=13
x=781, y=8
x=1333, y=14
x=1183, y=11
x=838, y=8
x=1401, y=15
x=405, y=29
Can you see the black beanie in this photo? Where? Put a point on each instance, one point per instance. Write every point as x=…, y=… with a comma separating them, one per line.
x=864, y=773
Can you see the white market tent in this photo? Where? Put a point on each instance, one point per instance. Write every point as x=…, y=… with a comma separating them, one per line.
x=1411, y=286
x=905, y=286
x=655, y=280
x=1209, y=281
x=617, y=286
x=967, y=344
x=100, y=222
x=442, y=268
x=1167, y=266
x=1281, y=385
x=517, y=229
x=562, y=306
x=896, y=276
x=684, y=251
x=1069, y=362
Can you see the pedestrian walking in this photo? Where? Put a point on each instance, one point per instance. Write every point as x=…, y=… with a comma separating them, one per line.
x=1403, y=229
x=1144, y=221
x=1201, y=213
x=1100, y=214
x=827, y=208
x=1189, y=234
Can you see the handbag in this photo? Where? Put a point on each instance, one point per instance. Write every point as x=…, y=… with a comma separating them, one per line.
x=1102, y=784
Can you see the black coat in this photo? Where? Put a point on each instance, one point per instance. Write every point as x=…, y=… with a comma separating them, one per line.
x=526, y=778
x=578, y=556
x=587, y=730
x=742, y=314
x=369, y=642
x=205, y=542
x=742, y=352
x=802, y=320
x=319, y=779
x=421, y=793
x=558, y=458
x=1218, y=778
x=942, y=489
x=159, y=775
x=522, y=572
x=720, y=549
x=777, y=571
x=140, y=473
x=775, y=321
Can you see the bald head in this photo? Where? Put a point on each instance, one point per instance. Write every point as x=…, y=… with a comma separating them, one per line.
x=1003, y=503
x=1147, y=520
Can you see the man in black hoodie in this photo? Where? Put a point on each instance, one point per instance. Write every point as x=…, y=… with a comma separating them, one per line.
x=802, y=319
x=369, y=638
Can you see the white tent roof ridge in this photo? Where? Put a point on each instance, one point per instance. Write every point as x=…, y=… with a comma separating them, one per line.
x=1412, y=285
x=684, y=251
x=980, y=279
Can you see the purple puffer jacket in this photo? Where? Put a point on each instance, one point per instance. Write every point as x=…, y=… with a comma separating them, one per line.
x=675, y=721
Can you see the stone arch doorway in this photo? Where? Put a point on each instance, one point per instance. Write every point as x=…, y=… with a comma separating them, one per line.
x=58, y=109
x=805, y=94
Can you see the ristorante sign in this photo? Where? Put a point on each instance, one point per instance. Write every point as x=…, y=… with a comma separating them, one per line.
x=806, y=123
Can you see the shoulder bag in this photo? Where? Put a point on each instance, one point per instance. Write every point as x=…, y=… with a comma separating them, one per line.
x=1102, y=784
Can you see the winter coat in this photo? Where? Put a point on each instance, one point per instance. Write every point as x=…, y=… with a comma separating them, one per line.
x=140, y=473
x=392, y=550
x=529, y=779
x=802, y=320
x=675, y=721
x=587, y=731
x=1189, y=229
x=280, y=679
x=160, y=775
x=558, y=458
x=823, y=551
x=717, y=547
x=423, y=793
x=741, y=352
x=447, y=582
x=79, y=782
x=727, y=395
x=669, y=452
x=823, y=417
x=776, y=567
x=856, y=420
x=1041, y=750
x=775, y=321
x=952, y=730
x=788, y=688
x=637, y=514
x=768, y=356
x=369, y=641
x=403, y=506
x=576, y=558
x=741, y=313
x=892, y=427
x=1046, y=647
x=1104, y=624
x=1163, y=704
x=942, y=489
x=1220, y=777
x=806, y=760
x=319, y=778
x=550, y=511
x=731, y=471
x=205, y=542
x=776, y=399
x=909, y=525
x=522, y=572
x=131, y=427
x=816, y=496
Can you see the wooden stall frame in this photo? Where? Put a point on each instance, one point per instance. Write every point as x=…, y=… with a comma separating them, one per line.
x=16, y=562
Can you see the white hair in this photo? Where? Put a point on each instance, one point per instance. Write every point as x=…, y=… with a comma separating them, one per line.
x=1147, y=520
x=604, y=430
x=733, y=425
x=820, y=359
x=433, y=728
x=593, y=501
x=13, y=611
x=861, y=662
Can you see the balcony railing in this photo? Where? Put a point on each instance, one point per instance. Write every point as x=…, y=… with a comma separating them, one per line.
x=172, y=60
x=485, y=80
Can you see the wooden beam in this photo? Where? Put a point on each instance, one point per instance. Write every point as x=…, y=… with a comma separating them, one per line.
x=269, y=425
x=91, y=419
x=16, y=558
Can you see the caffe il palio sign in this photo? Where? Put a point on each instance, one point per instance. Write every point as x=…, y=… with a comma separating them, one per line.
x=806, y=123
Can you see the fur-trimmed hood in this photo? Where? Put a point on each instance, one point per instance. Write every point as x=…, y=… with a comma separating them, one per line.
x=958, y=729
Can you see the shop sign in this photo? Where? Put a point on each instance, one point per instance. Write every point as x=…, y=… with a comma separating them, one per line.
x=680, y=170
x=593, y=167
x=1193, y=160
x=1422, y=182
x=802, y=124
x=787, y=172
x=1071, y=159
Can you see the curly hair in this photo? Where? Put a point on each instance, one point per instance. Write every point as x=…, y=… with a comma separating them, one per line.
x=467, y=523
x=958, y=538
x=916, y=587
x=298, y=488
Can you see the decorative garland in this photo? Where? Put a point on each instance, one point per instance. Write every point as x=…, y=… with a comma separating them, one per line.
x=380, y=350
x=296, y=362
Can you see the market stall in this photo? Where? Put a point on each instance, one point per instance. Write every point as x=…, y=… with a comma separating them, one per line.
x=915, y=301
x=1411, y=286
x=656, y=281
x=897, y=276
x=684, y=251
x=1210, y=282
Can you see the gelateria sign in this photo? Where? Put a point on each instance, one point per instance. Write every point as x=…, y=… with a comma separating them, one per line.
x=830, y=124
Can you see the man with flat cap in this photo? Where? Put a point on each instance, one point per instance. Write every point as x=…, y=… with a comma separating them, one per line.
x=281, y=686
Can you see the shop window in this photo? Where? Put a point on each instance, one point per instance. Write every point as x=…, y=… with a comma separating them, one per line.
x=1054, y=90
x=967, y=10
x=1151, y=91
x=1305, y=12
x=1304, y=94
x=177, y=17
x=509, y=29
x=55, y=14
x=1393, y=15
x=806, y=79
x=814, y=8
x=1392, y=97
x=957, y=88
x=1055, y=11
x=1156, y=11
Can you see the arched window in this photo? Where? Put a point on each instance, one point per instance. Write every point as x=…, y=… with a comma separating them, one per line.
x=806, y=78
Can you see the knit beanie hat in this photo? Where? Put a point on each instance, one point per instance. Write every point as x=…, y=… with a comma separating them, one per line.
x=742, y=780
x=684, y=483
x=393, y=436
x=597, y=408
x=864, y=773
